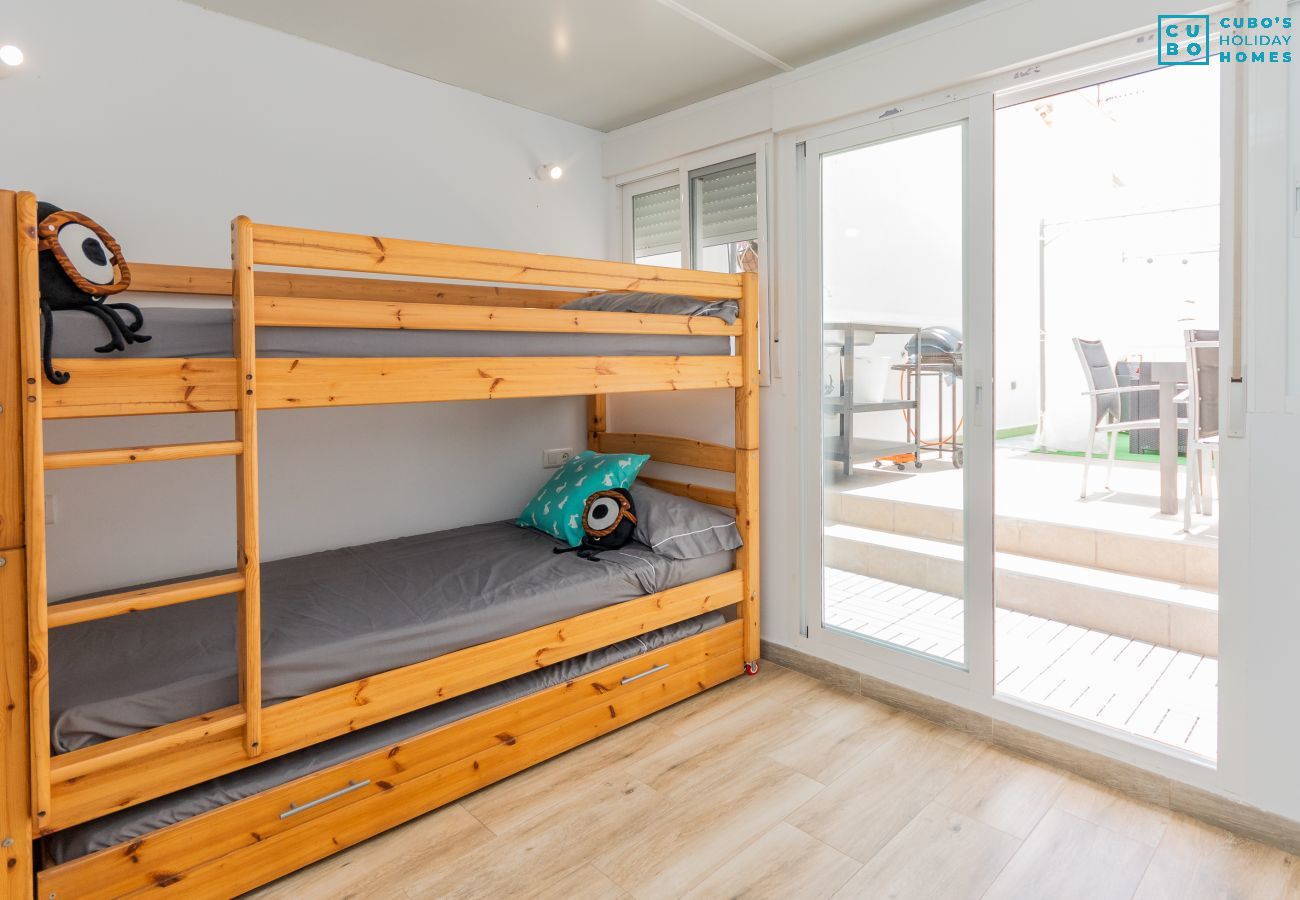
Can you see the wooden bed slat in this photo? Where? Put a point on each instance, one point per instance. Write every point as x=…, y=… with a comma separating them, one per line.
x=313, y=312
x=278, y=245
x=342, y=382
x=76, y=459
x=702, y=493
x=163, y=279
x=136, y=750
x=124, y=387
x=75, y=611
x=668, y=449
x=107, y=777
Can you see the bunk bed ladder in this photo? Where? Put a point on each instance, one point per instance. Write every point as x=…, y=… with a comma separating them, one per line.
x=244, y=581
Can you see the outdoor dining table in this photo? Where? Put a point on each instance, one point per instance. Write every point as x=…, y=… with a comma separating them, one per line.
x=1172, y=379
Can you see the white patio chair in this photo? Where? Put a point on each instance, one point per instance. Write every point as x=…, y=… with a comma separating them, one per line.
x=1104, y=391
x=1202, y=397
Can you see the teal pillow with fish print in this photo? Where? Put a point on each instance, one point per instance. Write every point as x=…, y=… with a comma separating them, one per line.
x=557, y=508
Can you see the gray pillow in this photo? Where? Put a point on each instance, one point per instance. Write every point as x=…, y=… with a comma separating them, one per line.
x=671, y=304
x=681, y=528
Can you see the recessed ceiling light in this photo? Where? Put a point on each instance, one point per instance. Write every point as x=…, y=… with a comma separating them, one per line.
x=550, y=172
x=11, y=55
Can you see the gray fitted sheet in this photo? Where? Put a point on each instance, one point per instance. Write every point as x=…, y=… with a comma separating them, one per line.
x=206, y=332
x=336, y=616
x=139, y=820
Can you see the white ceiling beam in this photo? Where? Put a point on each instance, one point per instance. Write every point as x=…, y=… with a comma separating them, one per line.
x=726, y=35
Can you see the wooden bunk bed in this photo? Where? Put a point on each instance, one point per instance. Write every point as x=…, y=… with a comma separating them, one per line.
x=252, y=841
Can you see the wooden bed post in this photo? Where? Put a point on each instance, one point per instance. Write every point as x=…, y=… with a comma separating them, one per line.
x=249, y=628
x=747, y=488
x=597, y=420
x=33, y=383
x=16, y=829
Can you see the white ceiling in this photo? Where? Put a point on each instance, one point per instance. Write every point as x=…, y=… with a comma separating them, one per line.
x=600, y=63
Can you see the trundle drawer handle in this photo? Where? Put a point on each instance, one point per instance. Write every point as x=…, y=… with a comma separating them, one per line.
x=628, y=679
x=294, y=808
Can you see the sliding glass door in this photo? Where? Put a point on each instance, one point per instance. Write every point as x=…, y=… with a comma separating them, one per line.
x=898, y=434
x=1107, y=451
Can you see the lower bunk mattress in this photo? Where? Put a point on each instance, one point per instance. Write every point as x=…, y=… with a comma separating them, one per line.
x=140, y=820
x=337, y=616
x=198, y=332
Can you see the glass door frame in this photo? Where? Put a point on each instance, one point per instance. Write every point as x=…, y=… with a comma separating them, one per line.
x=976, y=115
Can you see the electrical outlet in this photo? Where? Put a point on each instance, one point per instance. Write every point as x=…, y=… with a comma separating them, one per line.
x=51, y=509
x=1013, y=385
x=553, y=459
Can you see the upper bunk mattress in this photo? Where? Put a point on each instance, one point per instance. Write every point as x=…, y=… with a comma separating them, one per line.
x=207, y=332
x=337, y=616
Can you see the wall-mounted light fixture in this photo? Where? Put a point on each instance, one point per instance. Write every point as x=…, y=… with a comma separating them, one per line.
x=11, y=58
x=550, y=172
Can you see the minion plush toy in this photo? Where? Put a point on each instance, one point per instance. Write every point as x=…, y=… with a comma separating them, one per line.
x=80, y=267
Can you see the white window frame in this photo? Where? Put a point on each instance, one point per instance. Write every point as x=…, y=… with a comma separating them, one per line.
x=643, y=186
x=679, y=171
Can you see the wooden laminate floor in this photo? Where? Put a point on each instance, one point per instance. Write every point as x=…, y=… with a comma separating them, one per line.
x=781, y=786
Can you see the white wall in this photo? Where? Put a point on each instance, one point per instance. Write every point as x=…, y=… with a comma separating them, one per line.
x=163, y=121
x=1260, y=618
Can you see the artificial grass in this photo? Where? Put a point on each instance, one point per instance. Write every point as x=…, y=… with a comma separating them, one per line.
x=1120, y=453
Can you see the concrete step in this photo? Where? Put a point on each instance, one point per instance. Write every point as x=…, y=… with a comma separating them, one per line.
x=1189, y=562
x=1171, y=614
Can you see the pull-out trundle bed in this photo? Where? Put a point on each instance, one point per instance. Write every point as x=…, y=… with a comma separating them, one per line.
x=300, y=706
